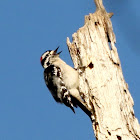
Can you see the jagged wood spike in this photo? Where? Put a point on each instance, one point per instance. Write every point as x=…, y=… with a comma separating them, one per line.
x=102, y=85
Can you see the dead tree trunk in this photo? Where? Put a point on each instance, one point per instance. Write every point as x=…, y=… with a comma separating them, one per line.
x=102, y=85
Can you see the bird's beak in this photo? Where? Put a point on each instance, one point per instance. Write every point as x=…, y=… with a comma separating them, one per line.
x=55, y=51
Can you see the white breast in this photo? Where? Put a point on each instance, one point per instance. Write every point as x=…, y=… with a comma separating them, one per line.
x=70, y=75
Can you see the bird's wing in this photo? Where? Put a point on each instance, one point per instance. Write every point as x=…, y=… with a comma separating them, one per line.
x=54, y=81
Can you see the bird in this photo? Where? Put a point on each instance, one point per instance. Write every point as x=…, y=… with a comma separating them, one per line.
x=61, y=79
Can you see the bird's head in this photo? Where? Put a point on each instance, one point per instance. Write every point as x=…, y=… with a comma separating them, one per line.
x=48, y=57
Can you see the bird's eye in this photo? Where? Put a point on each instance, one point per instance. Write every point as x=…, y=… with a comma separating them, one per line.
x=47, y=54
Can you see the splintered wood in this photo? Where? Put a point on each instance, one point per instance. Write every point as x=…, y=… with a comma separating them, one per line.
x=102, y=85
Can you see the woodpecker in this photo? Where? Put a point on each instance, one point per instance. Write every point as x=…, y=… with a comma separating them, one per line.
x=61, y=79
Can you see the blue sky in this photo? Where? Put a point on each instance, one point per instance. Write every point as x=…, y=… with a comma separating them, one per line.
x=30, y=27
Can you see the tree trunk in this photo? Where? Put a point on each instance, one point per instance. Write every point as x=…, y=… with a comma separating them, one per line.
x=102, y=85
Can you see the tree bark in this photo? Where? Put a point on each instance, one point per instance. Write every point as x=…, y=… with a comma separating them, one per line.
x=102, y=85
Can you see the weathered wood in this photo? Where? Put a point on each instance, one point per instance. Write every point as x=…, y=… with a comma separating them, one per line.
x=102, y=85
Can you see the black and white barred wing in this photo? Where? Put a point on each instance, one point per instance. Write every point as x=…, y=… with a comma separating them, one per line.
x=54, y=81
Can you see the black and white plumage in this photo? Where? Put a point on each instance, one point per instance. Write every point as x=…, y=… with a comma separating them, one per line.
x=61, y=79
